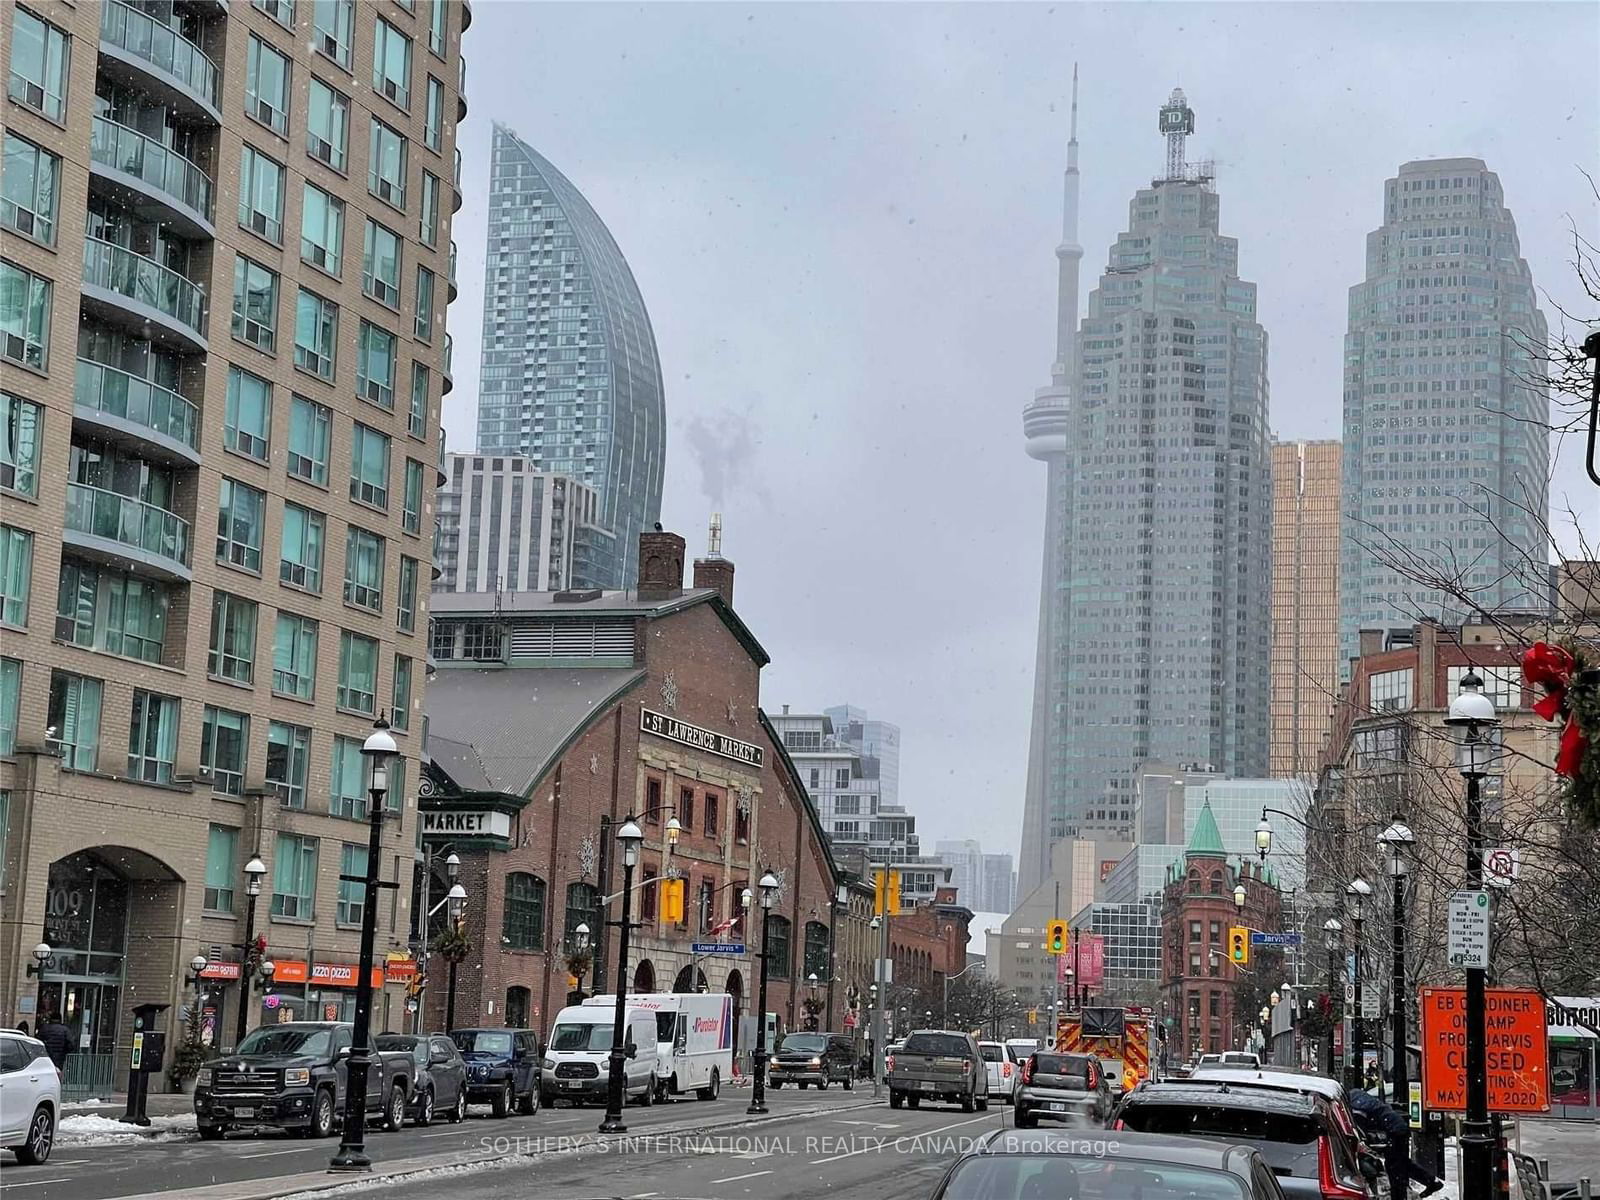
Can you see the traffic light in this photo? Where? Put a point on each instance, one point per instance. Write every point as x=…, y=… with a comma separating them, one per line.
x=672, y=891
x=1055, y=937
x=887, y=894
x=1239, y=945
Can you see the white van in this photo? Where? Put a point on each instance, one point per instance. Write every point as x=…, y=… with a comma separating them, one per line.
x=694, y=1039
x=577, y=1064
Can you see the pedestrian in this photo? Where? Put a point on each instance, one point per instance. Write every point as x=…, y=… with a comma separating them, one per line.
x=57, y=1039
x=22, y=1028
x=1373, y=1114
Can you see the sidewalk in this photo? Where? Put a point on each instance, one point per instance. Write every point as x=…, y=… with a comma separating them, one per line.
x=114, y=1105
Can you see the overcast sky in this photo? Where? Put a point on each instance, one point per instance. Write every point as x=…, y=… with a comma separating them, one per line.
x=843, y=217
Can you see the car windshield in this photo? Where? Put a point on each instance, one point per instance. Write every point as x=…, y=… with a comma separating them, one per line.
x=804, y=1043
x=1288, y=1141
x=570, y=1036
x=1092, y=1177
x=482, y=1041
x=286, y=1040
x=946, y=1045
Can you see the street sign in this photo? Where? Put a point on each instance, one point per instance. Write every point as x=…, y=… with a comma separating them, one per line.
x=1371, y=1003
x=716, y=947
x=1259, y=938
x=1468, y=944
x=1349, y=991
x=1501, y=866
x=1517, y=1053
x=1414, y=1104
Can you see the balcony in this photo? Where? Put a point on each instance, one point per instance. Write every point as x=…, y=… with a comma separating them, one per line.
x=439, y=465
x=449, y=353
x=461, y=88
x=454, y=289
x=138, y=49
x=466, y=15
x=142, y=295
x=123, y=530
x=153, y=180
x=160, y=424
x=455, y=203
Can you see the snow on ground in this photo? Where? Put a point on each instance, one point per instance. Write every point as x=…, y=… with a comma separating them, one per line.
x=91, y=1129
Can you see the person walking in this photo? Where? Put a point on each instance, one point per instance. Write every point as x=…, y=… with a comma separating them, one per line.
x=1374, y=1115
x=57, y=1039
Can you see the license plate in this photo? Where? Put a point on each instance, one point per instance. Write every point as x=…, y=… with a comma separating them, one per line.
x=927, y=1087
x=1056, y=1106
x=244, y=1114
x=572, y=1083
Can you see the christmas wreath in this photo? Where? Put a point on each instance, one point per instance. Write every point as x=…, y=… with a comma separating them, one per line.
x=1571, y=682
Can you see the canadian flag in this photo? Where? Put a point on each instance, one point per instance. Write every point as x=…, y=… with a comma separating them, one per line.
x=722, y=927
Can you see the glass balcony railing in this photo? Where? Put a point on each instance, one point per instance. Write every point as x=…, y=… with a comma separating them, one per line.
x=128, y=150
x=127, y=521
x=449, y=354
x=455, y=289
x=163, y=47
x=458, y=167
x=108, y=390
x=461, y=88
x=143, y=279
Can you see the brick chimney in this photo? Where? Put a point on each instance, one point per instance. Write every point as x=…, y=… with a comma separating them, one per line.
x=715, y=573
x=661, y=557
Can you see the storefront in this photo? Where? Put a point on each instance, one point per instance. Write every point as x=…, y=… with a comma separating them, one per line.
x=1570, y=1023
x=326, y=991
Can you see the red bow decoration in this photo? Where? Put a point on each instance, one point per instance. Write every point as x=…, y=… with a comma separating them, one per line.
x=1551, y=668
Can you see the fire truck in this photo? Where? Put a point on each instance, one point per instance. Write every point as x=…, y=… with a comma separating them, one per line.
x=1119, y=1038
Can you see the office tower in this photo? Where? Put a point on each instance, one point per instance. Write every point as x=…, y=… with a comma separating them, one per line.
x=878, y=743
x=1305, y=602
x=1153, y=627
x=571, y=379
x=1446, y=410
x=226, y=260
x=504, y=527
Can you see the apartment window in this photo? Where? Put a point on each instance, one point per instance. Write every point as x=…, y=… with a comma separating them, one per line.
x=255, y=304
x=294, y=873
x=713, y=823
x=1390, y=691
x=321, y=232
x=316, y=331
x=29, y=184
x=24, y=316
x=348, y=797
x=391, y=63
x=266, y=85
x=328, y=126
x=333, y=25
x=16, y=574
x=224, y=737
x=428, y=223
x=19, y=444
x=394, y=798
x=400, y=716
x=222, y=864
x=288, y=762
x=411, y=512
x=72, y=726
x=741, y=825
x=779, y=948
x=107, y=610
x=281, y=11
x=261, y=194
x=363, y=569
x=10, y=702
x=358, y=673
x=375, y=362
x=652, y=801
x=309, y=430
x=433, y=122
x=233, y=638
x=386, y=165
x=248, y=418
x=152, y=737
x=423, y=328
x=39, y=58
x=353, y=863
x=685, y=813
x=481, y=642
x=436, y=26
x=380, y=264
x=241, y=516
x=294, y=656
x=300, y=563
x=369, y=467
x=522, y=927
x=417, y=420
x=406, y=618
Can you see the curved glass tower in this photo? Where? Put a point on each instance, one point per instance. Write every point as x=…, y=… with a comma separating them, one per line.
x=570, y=377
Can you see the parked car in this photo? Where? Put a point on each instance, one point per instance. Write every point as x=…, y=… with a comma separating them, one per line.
x=1062, y=1087
x=938, y=1064
x=1284, y=1080
x=1296, y=1133
x=30, y=1098
x=1003, y=1067
x=577, y=1064
x=293, y=1076
x=502, y=1067
x=1230, y=1058
x=440, y=1072
x=807, y=1058
x=1051, y=1165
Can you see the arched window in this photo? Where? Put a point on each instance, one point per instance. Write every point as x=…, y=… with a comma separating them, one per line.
x=583, y=908
x=1216, y=883
x=523, y=925
x=816, y=950
x=780, y=951
x=519, y=1001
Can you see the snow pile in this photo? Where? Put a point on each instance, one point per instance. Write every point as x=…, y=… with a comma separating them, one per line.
x=90, y=1129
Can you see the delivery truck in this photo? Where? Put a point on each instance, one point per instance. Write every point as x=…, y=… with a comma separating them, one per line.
x=694, y=1039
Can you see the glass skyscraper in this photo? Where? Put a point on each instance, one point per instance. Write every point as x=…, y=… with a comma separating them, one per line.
x=1446, y=408
x=570, y=376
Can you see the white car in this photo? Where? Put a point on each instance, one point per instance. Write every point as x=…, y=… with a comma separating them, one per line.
x=1004, y=1068
x=30, y=1097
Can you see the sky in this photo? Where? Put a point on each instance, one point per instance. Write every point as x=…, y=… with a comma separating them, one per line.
x=843, y=219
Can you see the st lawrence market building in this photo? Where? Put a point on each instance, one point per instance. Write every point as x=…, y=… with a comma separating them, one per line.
x=553, y=718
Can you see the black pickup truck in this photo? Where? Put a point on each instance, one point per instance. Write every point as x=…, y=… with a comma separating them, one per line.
x=292, y=1076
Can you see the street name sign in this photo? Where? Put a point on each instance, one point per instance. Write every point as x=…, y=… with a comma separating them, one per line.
x=1517, y=1052
x=716, y=947
x=1260, y=938
x=1468, y=943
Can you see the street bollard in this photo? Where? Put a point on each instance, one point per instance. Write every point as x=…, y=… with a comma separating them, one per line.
x=1583, y=1189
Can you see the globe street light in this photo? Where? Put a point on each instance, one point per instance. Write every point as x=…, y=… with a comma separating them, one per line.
x=455, y=905
x=580, y=946
x=1333, y=937
x=1358, y=890
x=254, y=870
x=630, y=835
x=1398, y=839
x=1238, y=898
x=1263, y=837
x=758, y=1094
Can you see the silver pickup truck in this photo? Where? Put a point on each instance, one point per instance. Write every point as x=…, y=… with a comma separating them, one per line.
x=938, y=1064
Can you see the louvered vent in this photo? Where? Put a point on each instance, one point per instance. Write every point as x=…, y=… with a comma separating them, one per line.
x=604, y=637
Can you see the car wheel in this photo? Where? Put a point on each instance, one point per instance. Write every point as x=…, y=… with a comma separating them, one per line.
x=425, y=1108
x=394, y=1109
x=502, y=1100
x=894, y=1098
x=714, y=1089
x=914, y=1101
x=967, y=1102
x=321, y=1125
x=529, y=1104
x=41, y=1137
x=458, y=1114
x=648, y=1096
x=1023, y=1119
x=983, y=1103
x=774, y=1083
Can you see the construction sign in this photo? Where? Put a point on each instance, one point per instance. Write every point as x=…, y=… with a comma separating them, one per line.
x=1517, y=1053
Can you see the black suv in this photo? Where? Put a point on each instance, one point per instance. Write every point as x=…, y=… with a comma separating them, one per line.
x=819, y=1058
x=502, y=1067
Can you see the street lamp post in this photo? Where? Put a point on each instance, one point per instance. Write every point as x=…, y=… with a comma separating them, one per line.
x=1358, y=890
x=1398, y=838
x=758, y=1090
x=811, y=992
x=378, y=749
x=877, y=1029
x=630, y=835
x=1333, y=931
x=580, y=946
x=1473, y=713
x=452, y=869
x=456, y=902
x=253, y=872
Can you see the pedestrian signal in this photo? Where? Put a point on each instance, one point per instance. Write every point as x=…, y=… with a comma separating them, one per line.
x=1239, y=945
x=1055, y=937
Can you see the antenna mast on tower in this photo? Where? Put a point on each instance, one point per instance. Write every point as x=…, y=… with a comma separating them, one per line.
x=1177, y=122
